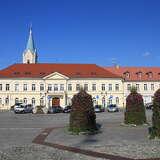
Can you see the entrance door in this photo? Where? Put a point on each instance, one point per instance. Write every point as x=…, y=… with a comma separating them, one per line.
x=56, y=101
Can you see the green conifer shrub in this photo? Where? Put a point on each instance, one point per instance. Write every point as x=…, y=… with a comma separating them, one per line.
x=82, y=116
x=154, y=131
x=135, y=110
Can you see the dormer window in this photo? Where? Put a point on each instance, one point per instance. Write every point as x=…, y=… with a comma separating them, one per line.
x=150, y=74
x=93, y=73
x=16, y=73
x=27, y=73
x=139, y=74
x=127, y=74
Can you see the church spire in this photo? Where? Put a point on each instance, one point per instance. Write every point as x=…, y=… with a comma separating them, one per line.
x=30, y=54
x=30, y=44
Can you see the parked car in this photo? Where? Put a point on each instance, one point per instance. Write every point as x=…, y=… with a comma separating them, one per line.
x=112, y=108
x=15, y=105
x=67, y=109
x=149, y=106
x=28, y=108
x=23, y=108
x=98, y=108
x=55, y=109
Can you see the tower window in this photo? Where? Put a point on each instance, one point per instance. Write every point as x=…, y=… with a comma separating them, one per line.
x=28, y=61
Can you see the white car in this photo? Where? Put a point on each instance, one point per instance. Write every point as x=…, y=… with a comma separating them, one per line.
x=113, y=108
x=28, y=108
x=19, y=109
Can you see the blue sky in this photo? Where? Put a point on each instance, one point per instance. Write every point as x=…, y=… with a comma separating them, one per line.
x=126, y=32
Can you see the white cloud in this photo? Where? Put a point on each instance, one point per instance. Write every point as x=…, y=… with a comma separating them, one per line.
x=146, y=54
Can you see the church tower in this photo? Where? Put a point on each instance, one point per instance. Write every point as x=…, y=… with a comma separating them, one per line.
x=30, y=54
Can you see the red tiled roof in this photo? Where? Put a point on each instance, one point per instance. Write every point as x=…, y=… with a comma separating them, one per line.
x=70, y=70
x=133, y=72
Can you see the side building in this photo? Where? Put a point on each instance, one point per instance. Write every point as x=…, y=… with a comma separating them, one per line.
x=145, y=79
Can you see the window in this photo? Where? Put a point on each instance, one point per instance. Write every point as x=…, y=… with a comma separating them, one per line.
x=41, y=102
x=77, y=87
x=152, y=87
x=139, y=74
x=127, y=74
x=110, y=87
x=41, y=87
x=16, y=87
x=0, y=101
x=137, y=87
x=7, y=101
x=0, y=87
x=25, y=100
x=33, y=101
x=49, y=87
x=25, y=87
x=86, y=87
x=61, y=87
x=7, y=87
x=69, y=87
x=93, y=87
x=103, y=87
x=117, y=87
x=56, y=87
x=145, y=87
x=16, y=100
x=128, y=87
x=150, y=75
x=33, y=87
x=117, y=100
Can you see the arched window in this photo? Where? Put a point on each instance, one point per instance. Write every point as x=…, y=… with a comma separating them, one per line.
x=7, y=101
x=16, y=100
x=103, y=102
x=41, y=101
x=0, y=100
x=117, y=100
x=25, y=100
x=33, y=101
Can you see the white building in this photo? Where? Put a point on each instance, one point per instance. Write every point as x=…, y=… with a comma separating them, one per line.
x=145, y=79
x=55, y=84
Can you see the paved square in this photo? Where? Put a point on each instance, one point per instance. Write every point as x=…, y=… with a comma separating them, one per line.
x=17, y=132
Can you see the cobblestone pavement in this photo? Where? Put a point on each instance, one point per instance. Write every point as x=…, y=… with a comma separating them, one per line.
x=38, y=152
x=18, y=131
x=131, y=142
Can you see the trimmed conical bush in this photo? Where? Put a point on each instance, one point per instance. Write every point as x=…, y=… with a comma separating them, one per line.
x=82, y=116
x=135, y=110
x=155, y=129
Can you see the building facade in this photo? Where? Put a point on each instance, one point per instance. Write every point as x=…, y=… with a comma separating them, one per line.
x=55, y=84
x=145, y=79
